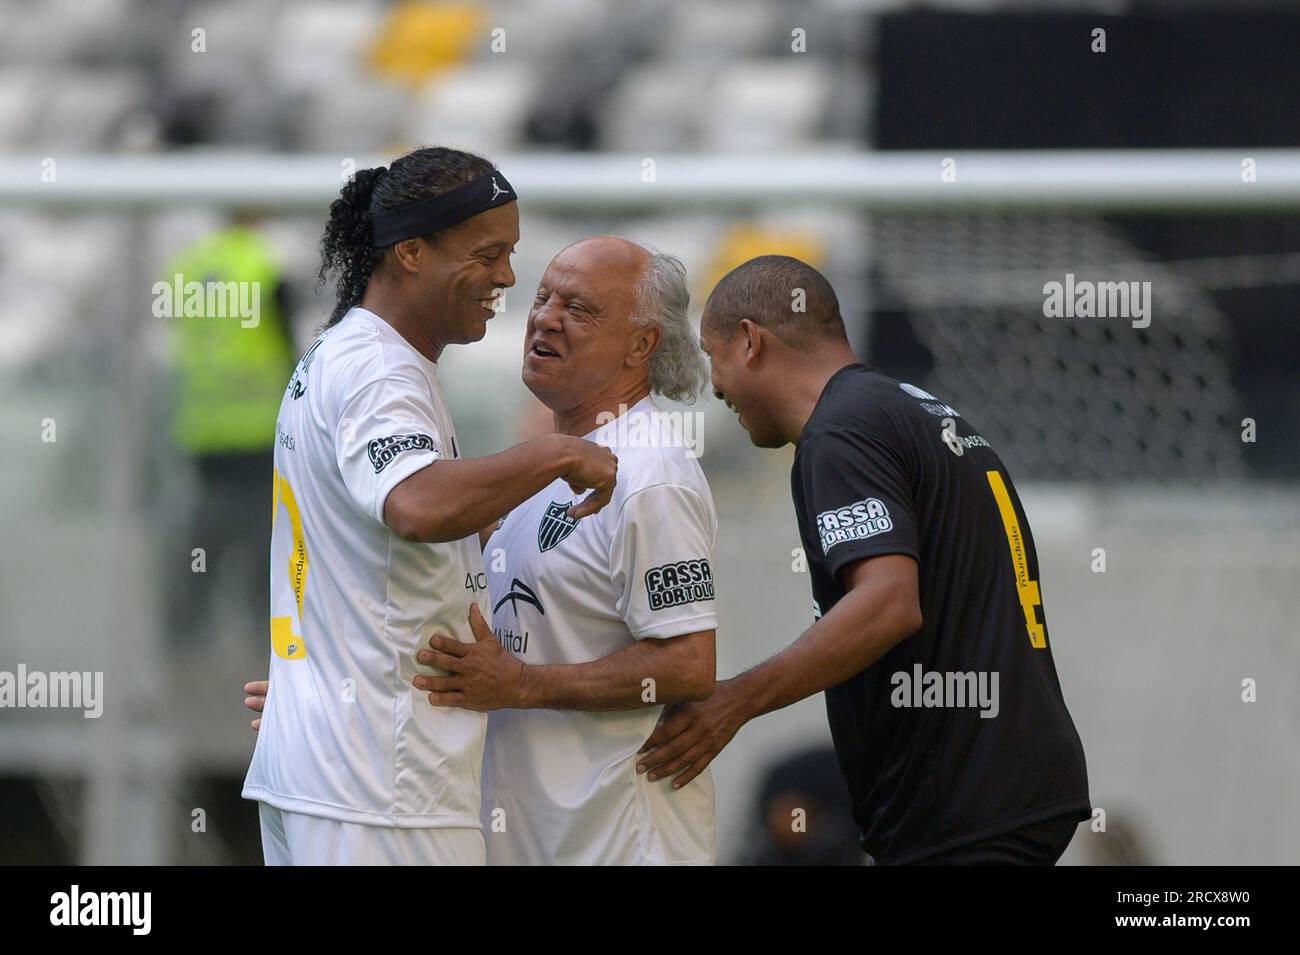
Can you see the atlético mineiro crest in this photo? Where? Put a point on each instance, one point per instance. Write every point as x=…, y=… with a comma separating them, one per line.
x=556, y=525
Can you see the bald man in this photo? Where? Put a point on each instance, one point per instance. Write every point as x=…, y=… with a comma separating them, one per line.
x=930, y=638
x=597, y=623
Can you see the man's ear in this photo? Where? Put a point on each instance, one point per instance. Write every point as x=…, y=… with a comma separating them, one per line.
x=408, y=254
x=642, y=345
x=753, y=340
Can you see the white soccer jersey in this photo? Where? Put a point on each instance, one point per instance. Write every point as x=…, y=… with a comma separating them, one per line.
x=345, y=735
x=560, y=786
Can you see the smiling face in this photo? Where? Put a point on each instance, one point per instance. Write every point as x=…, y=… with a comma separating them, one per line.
x=582, y=342
x=461, y=273
x=738, y=377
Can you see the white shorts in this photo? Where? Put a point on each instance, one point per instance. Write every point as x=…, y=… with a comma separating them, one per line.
x=291, y=838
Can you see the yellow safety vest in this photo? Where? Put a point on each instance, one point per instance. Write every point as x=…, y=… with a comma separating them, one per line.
x=232, y=357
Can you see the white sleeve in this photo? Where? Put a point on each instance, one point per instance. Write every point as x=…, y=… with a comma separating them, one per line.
x=661, y=562
x=386, y=431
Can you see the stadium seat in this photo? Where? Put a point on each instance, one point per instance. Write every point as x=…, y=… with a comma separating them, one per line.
x=761, y=105
x=20, y=102
x=722, y=31
x=657, y=106
x=479, y=107
x=417, y=40
x=319, y=43
x=358, y=115
x=83, y=108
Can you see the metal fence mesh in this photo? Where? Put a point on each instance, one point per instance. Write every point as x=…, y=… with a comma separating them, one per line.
x=1077, y=398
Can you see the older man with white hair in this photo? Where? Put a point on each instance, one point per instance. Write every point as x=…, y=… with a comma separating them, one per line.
x=597, y=623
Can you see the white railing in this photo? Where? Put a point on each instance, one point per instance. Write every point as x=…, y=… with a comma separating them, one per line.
x=1112, y=180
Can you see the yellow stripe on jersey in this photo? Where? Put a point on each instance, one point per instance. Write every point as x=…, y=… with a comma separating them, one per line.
x=284, y=641
x=1030, y=598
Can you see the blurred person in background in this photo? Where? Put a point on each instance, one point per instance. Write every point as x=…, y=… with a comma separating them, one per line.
x=930, y=640
x=802, y=814
x=1124, y=841
x=375, y=542
x=232, y=353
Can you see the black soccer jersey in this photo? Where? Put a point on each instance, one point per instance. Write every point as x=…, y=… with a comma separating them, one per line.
x=960, y=731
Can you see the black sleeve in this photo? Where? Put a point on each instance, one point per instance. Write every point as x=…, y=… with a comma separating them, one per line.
x=858, y=498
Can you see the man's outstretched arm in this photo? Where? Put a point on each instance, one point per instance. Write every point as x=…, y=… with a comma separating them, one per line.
x=451, y=499
x=484, y=676
x=880, y=609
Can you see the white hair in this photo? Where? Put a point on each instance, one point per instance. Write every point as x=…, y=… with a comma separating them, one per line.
x=677, y=367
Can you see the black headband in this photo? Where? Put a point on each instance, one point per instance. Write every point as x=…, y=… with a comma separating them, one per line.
x=438, y=212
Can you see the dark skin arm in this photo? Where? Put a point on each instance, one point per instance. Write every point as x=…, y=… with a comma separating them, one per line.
x=484, y=676
x=881, y=608
x=450, y=500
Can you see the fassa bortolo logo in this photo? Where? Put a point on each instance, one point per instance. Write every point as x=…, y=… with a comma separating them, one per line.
x=683, y=582
x=382, y=451
x=858, y=521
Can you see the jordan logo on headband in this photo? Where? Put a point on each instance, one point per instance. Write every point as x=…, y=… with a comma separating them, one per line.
x=497, y=190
